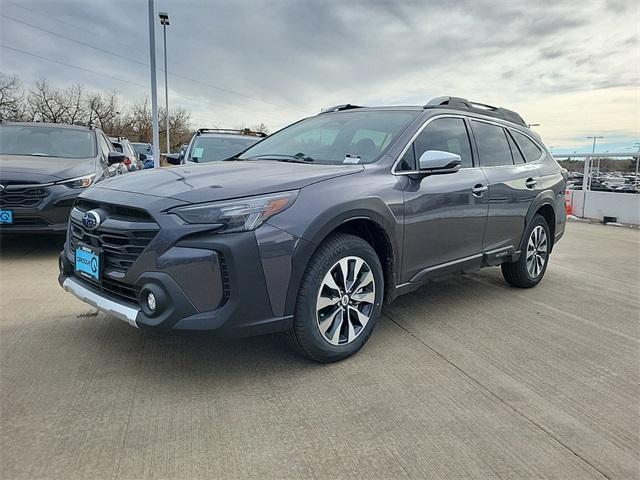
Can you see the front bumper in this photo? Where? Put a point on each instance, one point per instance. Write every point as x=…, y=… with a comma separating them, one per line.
x=112, y=307
x=203, y=283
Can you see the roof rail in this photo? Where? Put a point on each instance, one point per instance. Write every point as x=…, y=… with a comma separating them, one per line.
x=458, y=103
x=230, y=131
x=337, y=108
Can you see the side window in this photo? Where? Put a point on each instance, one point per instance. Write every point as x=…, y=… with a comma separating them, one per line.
x=103, y=144
x=408, y=160
x=529, y=149
x=493, y=146
x=515, y=151
x=445, y=134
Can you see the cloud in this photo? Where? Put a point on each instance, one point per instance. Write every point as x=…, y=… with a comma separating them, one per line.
x=235, y=62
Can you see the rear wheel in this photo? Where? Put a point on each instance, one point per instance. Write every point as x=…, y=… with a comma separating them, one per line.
x=339, y=301
x=532, y=264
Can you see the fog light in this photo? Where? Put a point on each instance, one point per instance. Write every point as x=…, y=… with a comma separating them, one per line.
x=151, y=301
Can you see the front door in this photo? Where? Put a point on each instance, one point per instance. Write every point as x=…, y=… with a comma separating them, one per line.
x=446, y=214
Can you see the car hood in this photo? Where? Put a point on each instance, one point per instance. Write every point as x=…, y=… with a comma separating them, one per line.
x=226, y=179
x=30, y=169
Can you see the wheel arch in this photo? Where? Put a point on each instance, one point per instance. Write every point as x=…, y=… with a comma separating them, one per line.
x=369, y=219
x=544, y=204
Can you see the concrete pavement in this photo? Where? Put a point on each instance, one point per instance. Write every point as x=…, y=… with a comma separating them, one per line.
x=466, y=378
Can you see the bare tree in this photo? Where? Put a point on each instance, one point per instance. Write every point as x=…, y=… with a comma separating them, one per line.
x=181, y=130
x=12, y=105
x=103, y=111
x=74, y=105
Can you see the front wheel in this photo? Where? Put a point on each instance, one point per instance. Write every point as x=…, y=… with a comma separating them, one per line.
x=532, y=264
x=339, y=301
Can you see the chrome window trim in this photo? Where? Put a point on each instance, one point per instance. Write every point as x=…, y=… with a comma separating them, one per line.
x=542, y=150
x=470, y=118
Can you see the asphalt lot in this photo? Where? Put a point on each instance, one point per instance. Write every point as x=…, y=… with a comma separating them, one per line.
x=466, y=378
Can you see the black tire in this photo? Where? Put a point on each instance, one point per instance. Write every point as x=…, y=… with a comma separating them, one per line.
x=306, y=336
x=517, y=273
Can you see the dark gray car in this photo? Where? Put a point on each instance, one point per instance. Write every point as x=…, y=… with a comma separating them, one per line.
x=43, y=169
x=310, y=230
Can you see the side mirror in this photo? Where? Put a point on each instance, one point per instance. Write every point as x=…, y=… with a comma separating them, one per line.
x=142, y=157
x=115, y=157
x=438, y=162
x=174, y=158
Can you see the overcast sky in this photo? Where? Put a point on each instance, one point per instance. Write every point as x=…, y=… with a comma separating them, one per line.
x=572, y=67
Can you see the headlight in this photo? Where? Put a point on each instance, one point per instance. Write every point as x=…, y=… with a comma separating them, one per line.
x=78, y=182
x=238, y=215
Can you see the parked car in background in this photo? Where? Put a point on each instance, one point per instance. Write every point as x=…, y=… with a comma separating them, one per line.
x=213, y=144
x=44, y=167
x=145, y=153
x=131, y=160
x=311, y=229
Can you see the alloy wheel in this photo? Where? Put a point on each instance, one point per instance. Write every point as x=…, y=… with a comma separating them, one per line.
x=537, y=251
x=345, y=300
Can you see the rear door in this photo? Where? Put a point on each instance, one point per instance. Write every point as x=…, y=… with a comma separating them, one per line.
x=513, y=185
x=445, y=215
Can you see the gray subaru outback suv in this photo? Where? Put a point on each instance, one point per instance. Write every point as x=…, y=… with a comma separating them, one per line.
x=310, y=230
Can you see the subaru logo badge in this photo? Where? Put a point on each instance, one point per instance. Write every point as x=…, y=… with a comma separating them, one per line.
x=91, y=220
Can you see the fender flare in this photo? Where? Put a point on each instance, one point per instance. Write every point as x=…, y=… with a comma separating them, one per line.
x=546, y=197
x=371, y=209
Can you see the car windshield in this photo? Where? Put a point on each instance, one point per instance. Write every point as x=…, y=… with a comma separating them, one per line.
x=210, y=148
x=142, y=148
x=355, y=136
x=45, y=141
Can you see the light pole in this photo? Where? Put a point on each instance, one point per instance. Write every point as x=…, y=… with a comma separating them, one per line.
x=154, y=88
x=164, y=21
x=595, y=137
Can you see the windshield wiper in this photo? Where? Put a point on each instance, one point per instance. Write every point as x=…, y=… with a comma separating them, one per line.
x=297, y=158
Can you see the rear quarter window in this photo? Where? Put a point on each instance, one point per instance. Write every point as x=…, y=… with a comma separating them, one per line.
x=529, y=149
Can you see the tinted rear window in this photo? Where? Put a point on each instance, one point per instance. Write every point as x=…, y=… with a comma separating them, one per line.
x=493, y=147
x=41, y=141
x=529, y=149
x=515, y=151
x=142, y=148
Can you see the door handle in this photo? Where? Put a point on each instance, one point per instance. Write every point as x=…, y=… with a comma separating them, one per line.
x=530, y=183
x=479, y=189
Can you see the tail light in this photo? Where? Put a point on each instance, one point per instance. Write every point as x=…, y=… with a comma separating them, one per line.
x=127, y=161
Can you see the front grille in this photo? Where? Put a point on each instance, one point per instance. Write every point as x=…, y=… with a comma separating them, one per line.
x=29, y=221
x=22, y=197
x=121, y=246
x=226, y=281
x=120, y=290
x=121, y=212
